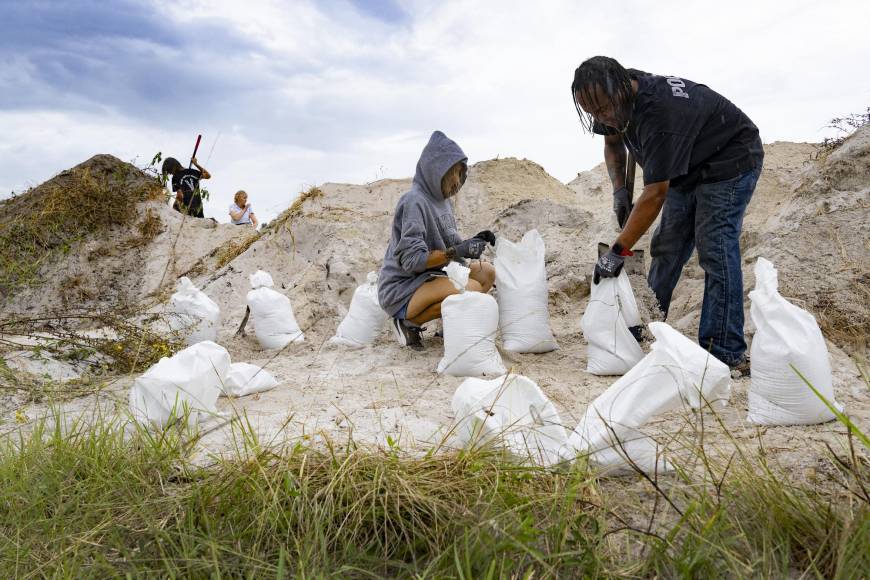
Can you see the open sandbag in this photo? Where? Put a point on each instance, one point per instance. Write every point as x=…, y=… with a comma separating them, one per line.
x=512, y=410
x=470, y=323
x=193, y=314
x=676, y=373
x=365, y=319
x=246, y=379
x=521, y=279
x=271, y=313
x=189, y=381
x=786, y=336
x=612, y=309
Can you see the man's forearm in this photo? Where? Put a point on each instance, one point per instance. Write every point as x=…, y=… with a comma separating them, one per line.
x=644, y=213
x=615, y=160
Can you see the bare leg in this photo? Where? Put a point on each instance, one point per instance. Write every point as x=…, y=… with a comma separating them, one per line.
x=425, y=305
x=483, y=273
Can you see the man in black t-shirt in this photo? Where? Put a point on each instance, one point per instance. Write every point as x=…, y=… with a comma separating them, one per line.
x=185, y=185
x=701, y=158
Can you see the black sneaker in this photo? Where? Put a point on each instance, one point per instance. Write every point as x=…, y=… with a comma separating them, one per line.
x=407, y=334
x=741, y=369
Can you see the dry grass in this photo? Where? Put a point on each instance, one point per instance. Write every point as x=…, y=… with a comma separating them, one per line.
x=103, y=498
x=150, y=226
x=295, y=209
x=121, y=346
x=50, y=220
x=234, y=249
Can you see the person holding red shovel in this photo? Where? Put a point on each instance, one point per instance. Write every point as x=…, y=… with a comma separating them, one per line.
x=701, y=158
x=185, y=184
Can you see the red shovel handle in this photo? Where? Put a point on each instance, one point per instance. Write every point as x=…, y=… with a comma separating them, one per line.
x=195, y=149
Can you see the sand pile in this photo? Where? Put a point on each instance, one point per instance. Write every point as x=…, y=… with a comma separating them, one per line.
x=99, y=237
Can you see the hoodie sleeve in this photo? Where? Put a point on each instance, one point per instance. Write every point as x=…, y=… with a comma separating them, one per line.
x=412, y=250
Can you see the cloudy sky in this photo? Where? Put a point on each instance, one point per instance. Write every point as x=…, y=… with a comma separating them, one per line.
x=291, y=93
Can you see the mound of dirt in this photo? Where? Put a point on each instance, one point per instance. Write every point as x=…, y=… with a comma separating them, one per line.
x=99, y=237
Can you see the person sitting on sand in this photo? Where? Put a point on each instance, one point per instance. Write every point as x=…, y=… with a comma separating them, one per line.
x=185, y=184
x=241, y=213
x=424, y=239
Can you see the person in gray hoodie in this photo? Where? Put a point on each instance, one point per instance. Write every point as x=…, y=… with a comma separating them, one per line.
x=424, y=239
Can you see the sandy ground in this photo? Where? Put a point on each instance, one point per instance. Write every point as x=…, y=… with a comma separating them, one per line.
x=320, y=254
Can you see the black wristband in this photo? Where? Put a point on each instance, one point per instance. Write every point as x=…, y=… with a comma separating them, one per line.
x=617, y=248
x=451, y=252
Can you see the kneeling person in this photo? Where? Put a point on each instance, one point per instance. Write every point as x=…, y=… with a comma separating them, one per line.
x=424, y=239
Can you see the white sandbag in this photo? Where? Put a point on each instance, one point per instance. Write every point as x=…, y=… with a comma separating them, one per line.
x=521, y=279
x=190, y=380
x=458, y=275
x=246, y=379
x=365, y=319
x=677, y=372
x=271, y=314
x=193, y=314
x=612, y=309
x=470, y=323
x=513, y=410
x=786, y=335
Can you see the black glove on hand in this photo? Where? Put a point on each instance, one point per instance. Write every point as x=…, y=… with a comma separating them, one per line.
x=487, y=236
x=622, y=205
x=470, y=248
x=610, y=263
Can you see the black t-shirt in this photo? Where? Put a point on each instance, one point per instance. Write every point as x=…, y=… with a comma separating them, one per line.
x=187, y=181
x=687, y=133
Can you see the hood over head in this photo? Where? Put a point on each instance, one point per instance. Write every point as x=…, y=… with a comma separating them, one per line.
x=439, y=155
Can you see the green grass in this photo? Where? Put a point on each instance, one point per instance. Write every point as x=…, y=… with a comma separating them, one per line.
x=104, y=498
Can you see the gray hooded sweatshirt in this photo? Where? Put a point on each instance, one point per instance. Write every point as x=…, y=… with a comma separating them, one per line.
x=423, y=222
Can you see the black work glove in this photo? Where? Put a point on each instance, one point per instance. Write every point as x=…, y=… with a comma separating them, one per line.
x=610, y=263
x=487, y=236
x=622, y=205
x=470, y=248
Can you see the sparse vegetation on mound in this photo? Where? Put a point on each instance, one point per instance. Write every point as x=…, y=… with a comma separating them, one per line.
x=235, y=248
x=295, y=209
x=121, y=346
x=845, y=126
x=49, y=220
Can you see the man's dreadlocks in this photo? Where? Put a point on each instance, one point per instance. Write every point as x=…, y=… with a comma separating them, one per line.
x=604, y=72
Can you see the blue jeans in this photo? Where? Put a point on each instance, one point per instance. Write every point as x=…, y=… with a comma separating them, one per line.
x=709, y=216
